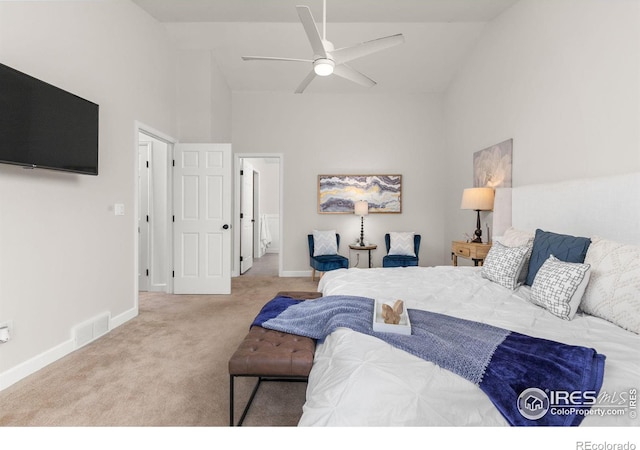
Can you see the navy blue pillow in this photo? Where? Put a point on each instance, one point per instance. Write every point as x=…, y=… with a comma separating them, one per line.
x=564, y=247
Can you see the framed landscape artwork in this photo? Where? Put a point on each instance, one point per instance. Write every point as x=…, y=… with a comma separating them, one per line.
x=492, y=166
x=338, y=193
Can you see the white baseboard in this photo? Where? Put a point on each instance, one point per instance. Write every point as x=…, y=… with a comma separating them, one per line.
x=36, y=363
x=295, y=273
x=126, y=316
x=61, y=350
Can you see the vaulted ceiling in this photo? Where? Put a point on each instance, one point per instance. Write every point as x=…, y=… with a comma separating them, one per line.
x=438, y=34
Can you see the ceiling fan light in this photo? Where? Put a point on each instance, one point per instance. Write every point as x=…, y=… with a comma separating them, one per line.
x=323, y=67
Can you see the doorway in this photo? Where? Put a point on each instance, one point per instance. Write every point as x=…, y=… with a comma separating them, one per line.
x=153, y=172
x=258, y=201
x=204, y=266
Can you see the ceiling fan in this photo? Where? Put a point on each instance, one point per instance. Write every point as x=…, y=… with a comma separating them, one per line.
x=327, y=59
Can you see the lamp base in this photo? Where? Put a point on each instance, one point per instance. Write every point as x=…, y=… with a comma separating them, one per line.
x=478, y=233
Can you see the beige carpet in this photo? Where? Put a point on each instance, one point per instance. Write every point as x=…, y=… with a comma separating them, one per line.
x=166, y=367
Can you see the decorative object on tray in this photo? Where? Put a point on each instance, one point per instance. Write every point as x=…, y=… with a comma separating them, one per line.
x=338, y=194
x=492, y=166
x=391, y=314
x=478, y=199
x=361, y=208
x=391, y=317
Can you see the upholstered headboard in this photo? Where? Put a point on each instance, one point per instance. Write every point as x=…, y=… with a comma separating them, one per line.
x=608, y=207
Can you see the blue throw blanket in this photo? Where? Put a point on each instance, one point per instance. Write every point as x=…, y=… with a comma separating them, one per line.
x=517, y=372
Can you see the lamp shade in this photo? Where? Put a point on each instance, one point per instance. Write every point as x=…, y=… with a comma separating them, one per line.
x=479, y=199
x=361, y=208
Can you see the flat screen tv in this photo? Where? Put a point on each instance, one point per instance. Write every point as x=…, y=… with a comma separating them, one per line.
x=42, y=126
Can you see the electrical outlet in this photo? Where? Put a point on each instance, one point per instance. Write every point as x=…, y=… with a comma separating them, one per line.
x=9, y=335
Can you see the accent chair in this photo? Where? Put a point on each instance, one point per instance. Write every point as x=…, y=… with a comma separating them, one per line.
x=327, y=262
x=401, y=260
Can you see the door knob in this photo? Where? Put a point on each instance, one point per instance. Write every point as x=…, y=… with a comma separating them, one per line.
x=225, y=226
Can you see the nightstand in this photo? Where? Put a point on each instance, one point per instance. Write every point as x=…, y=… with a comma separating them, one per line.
x=469, y=250
x=368, y=248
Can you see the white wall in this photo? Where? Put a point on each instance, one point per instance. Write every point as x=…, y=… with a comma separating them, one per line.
x=204, y=98
x=269, y=203
x=560, y=77
x=349, y=134
x=269, y=169
x=64, y=256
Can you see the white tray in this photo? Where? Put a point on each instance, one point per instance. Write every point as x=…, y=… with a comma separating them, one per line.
x=404, y=327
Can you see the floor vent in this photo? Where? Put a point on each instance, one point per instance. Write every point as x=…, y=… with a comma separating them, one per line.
x=91, y=329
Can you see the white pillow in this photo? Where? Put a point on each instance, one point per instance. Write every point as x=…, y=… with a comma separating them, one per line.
x=503, y=264
x=559, y=286
x=402, y=243
x=613, y=292
x=324, y=243
x=513, y=237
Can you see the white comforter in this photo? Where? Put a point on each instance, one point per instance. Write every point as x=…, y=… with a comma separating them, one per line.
x=359, y=380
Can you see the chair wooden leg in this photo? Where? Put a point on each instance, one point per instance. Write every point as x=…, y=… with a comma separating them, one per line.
x=313, y=274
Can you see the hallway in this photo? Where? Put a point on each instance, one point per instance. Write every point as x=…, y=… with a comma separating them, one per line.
x=267, y=265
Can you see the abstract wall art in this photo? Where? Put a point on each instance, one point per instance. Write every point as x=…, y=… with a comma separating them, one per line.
x=338, y=193
x=492, y=166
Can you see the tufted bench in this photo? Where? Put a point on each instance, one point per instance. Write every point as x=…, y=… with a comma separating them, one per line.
x=271, y=356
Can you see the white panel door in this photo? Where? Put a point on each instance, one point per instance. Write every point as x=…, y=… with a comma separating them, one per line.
x=246, y=217
x=202, y=210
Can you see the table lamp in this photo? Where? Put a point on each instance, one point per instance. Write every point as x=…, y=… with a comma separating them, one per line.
x=361, y=208
x=478, y=199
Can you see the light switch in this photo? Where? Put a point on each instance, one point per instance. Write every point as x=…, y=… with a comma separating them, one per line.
x=118, y=209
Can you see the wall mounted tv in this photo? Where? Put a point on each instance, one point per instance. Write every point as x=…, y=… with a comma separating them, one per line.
x=42, y=126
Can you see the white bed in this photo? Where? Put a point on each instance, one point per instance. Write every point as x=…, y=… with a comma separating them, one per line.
x=359, y=380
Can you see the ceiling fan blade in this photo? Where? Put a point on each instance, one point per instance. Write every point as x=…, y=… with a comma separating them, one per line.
x=352, y=74
x=312, y=31
x=346, y=54
x=269, y=58
x=306, y=82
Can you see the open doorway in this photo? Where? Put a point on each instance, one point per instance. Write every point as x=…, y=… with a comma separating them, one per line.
x=153, y=198
x=258, y=201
